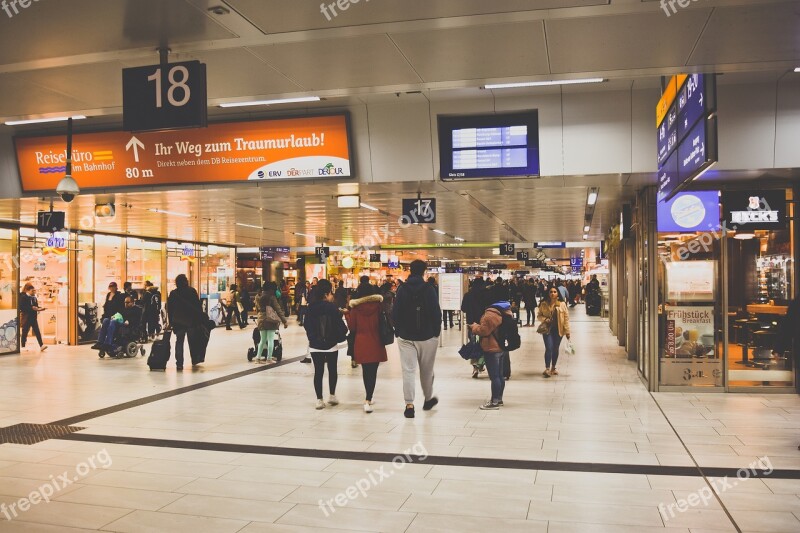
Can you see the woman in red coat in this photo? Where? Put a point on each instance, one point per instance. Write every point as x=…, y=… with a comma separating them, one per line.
x=368, y=350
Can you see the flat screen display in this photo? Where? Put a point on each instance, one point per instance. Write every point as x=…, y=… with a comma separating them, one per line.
x=689, y=212
x=489, y=146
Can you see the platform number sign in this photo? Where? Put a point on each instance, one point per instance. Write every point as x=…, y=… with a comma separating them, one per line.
x=322, y=252
x=50, y=221
x=164, y=97
x=522, y=256
x=506, y=249
x=419, y=210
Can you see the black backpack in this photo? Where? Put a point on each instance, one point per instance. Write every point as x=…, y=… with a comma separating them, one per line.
x=415, y=318
x=507, y=333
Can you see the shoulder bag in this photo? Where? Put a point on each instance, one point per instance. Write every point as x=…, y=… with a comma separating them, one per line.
x=544, y=327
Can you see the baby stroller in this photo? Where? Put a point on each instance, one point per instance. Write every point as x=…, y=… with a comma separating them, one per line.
x=593, y=303
x=128, y=341
x=277, y=351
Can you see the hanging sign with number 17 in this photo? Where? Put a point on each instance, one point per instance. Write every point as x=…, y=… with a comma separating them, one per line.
x=164, y=97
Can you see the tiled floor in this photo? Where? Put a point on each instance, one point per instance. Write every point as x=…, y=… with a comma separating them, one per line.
x=596, y=413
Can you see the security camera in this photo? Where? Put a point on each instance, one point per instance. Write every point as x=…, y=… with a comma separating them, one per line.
x=68, y=189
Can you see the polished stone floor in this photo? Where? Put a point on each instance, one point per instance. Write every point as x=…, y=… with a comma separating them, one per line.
x=588, y=450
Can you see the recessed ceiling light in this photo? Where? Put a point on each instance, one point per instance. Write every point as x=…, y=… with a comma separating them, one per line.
x=304, y=235
x=592, y=198
x=542, y=83
x=744, y=236
x=459, y=239
x=299, y=100
x=43, y=120
x=173, y=213
x=585, y=237
x=248, y=225
x=586, y=229
x=797, y=69
x=348, y=202
x=367, y=206
x=440, y=232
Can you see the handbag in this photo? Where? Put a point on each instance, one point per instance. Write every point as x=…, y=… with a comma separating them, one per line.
x=271, y=316
x=569, y=348
x=544, y=327
x=385, y=329
x=240, y=307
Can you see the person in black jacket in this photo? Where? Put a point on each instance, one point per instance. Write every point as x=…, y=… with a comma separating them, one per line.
x=29, y=315
x=184, y=311
x=114, y=303
x=418, y=323
x=472, y=308
x=151, y=305
x=325, y=329
x=529, y=298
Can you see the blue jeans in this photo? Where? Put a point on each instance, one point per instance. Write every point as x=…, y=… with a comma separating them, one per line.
x=494, y=364
x=107, y=331
x=552, y=342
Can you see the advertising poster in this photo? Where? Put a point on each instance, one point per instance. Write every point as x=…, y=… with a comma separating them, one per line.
x=689, y=332
x=690, y=281
x=451, y=291
x=293, y=148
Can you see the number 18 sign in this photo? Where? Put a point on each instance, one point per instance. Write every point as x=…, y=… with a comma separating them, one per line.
x=164, y=97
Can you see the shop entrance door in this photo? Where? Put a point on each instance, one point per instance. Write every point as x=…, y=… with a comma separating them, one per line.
x=44, y=264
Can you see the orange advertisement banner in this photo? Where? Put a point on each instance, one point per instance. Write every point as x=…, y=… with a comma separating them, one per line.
x=296, y=148
x=670, y=92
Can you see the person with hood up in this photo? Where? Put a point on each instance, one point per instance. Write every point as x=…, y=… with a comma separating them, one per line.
x=363, y=319
x=487, y=330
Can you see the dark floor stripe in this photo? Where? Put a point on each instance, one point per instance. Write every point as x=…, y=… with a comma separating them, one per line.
x=474, y=462
x=169, y=394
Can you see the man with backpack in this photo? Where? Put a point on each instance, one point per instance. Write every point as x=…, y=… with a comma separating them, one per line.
x=499, y=335
x=151, y=314
x=417, y=319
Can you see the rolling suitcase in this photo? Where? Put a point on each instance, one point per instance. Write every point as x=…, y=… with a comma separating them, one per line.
x=159, y=353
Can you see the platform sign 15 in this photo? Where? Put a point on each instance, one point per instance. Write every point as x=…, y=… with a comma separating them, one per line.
x=522, y=256
x=164, y=97
x=418, y=210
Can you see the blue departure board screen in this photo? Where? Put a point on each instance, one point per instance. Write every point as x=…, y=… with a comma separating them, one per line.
x=489, y=146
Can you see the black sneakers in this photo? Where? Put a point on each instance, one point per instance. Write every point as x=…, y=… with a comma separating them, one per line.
x=430, y=404
x=409, y=412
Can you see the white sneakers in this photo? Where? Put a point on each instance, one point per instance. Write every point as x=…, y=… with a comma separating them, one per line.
x=332, y=400
x=367, y=407
x=320, y=404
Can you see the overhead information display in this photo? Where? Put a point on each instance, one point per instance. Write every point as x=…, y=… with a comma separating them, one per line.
x=686, y=144
x=293, y=148
x=489, y=146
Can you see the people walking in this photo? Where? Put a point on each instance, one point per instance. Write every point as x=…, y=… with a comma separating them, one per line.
x=233, y=305
x=269, y=309
x=301, y=300
x=325, y=329
x=554, y=318
x=418, y=325
x=151, y=313
x=184, y=311
x=247, y=303
x=364, y=320
x=487, y=330
x=529, y=299
x=29, y=315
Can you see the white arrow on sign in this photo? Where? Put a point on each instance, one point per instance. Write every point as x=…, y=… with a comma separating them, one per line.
x=135, y=144
x=701, y=99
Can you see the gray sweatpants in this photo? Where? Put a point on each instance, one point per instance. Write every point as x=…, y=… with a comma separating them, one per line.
x=422, y=353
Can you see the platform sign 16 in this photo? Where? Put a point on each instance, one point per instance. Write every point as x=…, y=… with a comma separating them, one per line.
x=322, y=252
x=419, y=210
x=164, y=97
x=507, y=249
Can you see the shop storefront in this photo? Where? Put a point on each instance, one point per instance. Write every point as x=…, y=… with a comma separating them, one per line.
x=724, y=274
x=72, y=272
